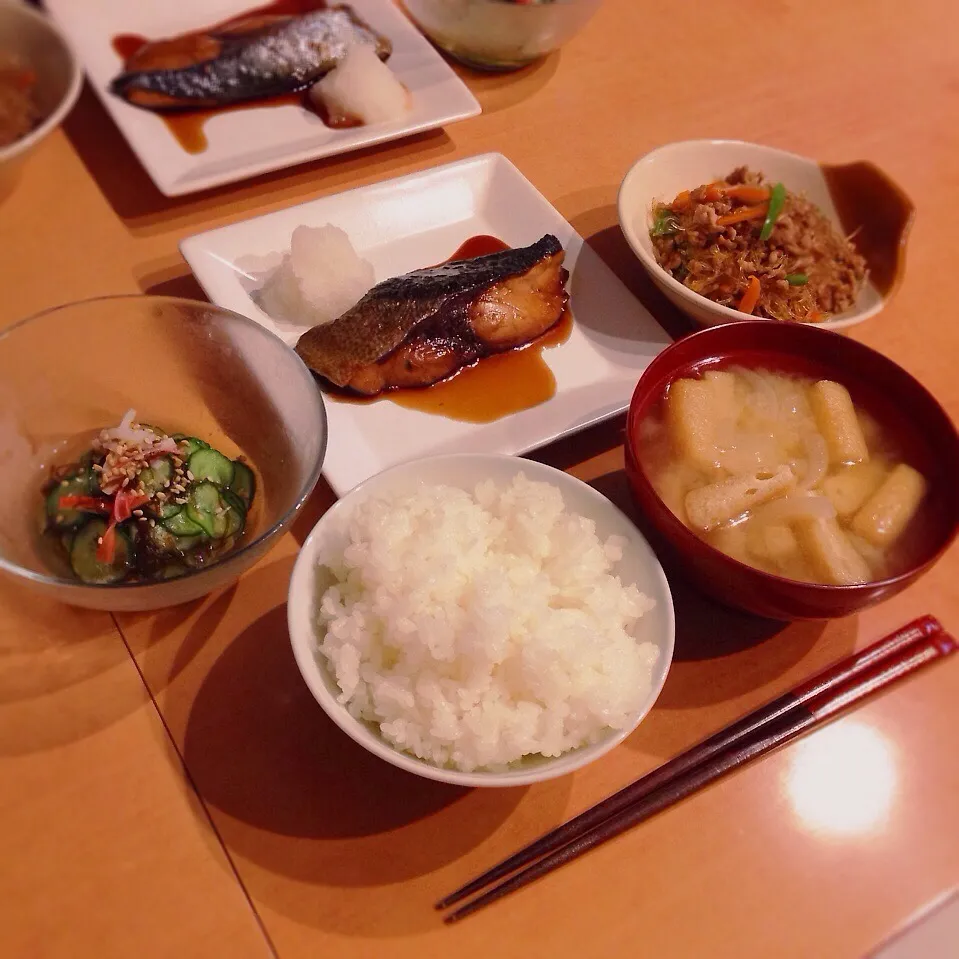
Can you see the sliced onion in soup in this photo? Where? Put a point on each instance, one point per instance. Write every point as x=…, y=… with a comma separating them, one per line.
x=795, y=506
x=817, y=460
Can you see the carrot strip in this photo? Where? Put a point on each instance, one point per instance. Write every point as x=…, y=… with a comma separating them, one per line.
x=747, y=194
x=744, y=213
x=751, y=297
x=107, y=546
x=682, y=201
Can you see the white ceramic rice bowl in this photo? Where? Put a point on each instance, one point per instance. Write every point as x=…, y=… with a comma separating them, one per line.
x=638, y=566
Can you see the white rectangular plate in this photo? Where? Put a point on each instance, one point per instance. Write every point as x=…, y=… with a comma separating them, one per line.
x=413, y=221
x=247, y=142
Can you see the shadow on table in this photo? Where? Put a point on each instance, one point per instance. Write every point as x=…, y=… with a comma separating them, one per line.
x=500, y=91
x=319, y=501
x=301, y=807
x=65, y=673
x=599, y=226
x=169, y=277
x=569, y=451
x=145, y=210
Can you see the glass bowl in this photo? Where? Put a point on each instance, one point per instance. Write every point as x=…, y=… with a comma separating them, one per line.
x=500, y=34
x=184, y=366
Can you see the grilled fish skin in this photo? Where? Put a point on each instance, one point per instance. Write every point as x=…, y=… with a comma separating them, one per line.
x=417, y=329
x=246, y=59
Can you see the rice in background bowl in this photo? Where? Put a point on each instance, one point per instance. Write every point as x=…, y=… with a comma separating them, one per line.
x=496, y=653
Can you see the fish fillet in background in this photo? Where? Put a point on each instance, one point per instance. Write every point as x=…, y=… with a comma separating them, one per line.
x=245, y=59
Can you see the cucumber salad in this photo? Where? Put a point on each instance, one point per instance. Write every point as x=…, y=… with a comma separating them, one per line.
x=144, y=505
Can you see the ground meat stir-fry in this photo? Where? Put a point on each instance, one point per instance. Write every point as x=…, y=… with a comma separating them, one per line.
x=757, y=248
x=18, y=112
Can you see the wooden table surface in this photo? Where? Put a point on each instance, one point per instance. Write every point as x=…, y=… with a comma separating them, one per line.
x=168, y=788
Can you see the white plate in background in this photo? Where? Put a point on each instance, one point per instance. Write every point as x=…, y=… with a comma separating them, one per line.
x=250, y=141
x=413, y=221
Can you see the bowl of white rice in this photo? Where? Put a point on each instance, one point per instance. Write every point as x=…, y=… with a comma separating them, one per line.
x=481, y=620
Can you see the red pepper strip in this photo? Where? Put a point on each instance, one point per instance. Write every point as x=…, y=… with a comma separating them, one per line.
x=107, y=545
x=125, y=502
x=75, y=501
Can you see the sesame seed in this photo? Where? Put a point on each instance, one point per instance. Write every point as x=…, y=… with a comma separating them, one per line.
x=59, y=517
x=153, y=522
x=138, y=512
x=99, y=541
x=166, y=484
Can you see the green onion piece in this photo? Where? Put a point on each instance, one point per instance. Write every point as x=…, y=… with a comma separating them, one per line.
x=665, y=223
x=777, y=197
x=797, y=279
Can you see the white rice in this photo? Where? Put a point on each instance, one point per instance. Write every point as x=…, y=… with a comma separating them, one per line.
x=474, y=630
x=318, y=280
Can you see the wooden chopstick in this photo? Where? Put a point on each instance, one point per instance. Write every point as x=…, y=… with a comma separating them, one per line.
x=832, y=676
x=812, y=703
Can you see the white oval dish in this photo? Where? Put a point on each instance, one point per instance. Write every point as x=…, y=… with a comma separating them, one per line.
x=638, y=566
x=664, y=172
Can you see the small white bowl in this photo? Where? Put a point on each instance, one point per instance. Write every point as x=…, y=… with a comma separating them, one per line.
x=37, y=41
x=866, y=195
x=639, y=566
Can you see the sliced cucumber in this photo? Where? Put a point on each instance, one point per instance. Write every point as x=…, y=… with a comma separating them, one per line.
x=82, y=483
x=234, y=513
x=166, y=543
x=182, y=524
x=169, y=509
x=83, y=555
x=172, y=571
x=203, y=501
x=190, y=444
x=243, y=482
x=157, y=475
x=209, y=464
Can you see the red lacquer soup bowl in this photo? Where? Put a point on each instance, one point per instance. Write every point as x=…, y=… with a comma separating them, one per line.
x=897, y=400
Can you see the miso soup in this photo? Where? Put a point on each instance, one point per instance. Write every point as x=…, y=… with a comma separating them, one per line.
x=786, y=474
